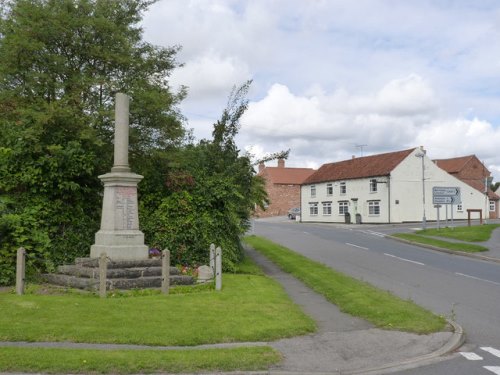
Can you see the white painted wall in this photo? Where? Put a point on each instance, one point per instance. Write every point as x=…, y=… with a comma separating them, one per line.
x=400, y=198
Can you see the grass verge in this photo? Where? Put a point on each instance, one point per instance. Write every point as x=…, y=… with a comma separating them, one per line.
x=454, y=246
x=76, y=361
x=352, y=296
x=249, y=308
x=476, y=233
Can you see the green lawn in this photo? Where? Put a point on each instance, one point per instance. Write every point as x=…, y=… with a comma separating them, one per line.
x=352, y=296
x=476, y=233
x=437, y=237
x=43, y=360
x=250, y=307
x=454, y=246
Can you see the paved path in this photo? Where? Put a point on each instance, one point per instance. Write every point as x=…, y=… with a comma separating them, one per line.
x=345, y=344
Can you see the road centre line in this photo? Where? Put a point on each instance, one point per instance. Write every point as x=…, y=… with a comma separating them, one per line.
x=493, y=351
x=476, y=278
x=359, y=247
x=404, y=259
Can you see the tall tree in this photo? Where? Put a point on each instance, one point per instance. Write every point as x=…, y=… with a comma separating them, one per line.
x=212, y=191
x=62, y=61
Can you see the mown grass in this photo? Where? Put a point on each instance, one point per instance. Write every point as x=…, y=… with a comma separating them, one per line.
x=77, y=361
x=352, y=296
x=250, y=307
x=454, y=246
x=476, y=233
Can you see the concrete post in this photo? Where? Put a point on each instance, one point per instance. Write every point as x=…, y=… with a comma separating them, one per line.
x=212, y=257
x=103, y=270
x=121, y=133
x=165, y=271
x=20, y=270
x=218, y=268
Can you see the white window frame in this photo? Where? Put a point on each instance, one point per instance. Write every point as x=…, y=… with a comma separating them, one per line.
x=343, y=188
x=460, y=207
x=493, y=206
x=327, y=208
x=343, y=207
x=374, y=208
x=373, y=185
x=329, y=189
x=313, y=191
x=313, y=208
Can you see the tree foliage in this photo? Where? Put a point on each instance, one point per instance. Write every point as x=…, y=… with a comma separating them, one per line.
x=212, y=191
x=62, y=63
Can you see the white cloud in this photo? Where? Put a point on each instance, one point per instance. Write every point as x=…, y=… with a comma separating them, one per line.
x=330, y=75
x=210, y=75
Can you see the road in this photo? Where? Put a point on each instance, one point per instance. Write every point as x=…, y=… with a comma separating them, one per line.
x=465, y=289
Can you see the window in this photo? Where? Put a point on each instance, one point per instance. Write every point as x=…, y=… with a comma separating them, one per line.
x=313, y=209
x=343, y=188
x=329, y=189
x=313, y=191
x=492, y=206
x=460, y=208
x=374, y=208
x=373, y=185
x=327, y=208
x=343, y=207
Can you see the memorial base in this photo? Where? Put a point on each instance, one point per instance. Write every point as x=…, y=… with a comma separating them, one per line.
x=123, y=245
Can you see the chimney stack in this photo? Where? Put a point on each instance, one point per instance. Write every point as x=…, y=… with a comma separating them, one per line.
x=281, y=163
x=261, y=166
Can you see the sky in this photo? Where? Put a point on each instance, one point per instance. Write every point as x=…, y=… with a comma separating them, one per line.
x=337, y=78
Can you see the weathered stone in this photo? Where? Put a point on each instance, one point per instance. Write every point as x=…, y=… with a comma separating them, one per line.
x=205, y=274
x=119, y=236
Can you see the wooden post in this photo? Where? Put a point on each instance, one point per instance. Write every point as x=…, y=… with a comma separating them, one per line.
x=212, y=257
x=20, y=270
x=218, y=268
x=103, y=270
x=165, y=271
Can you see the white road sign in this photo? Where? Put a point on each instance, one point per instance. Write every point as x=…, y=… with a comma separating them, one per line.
x=446, y=195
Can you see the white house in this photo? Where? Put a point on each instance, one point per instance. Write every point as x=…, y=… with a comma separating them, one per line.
x=394, y=187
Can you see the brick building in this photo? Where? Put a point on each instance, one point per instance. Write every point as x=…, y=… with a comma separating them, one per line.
x=472, y=171
x=283, y=187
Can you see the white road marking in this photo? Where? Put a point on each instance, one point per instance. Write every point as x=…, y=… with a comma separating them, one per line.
x=376, y=233
x=405, y=260
x=476, y=278
x=472, y=356
x=359, y=247
x=493, y=351
x=372, y=233
x=493, y=369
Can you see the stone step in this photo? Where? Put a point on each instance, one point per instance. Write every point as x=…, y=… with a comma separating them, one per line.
x=111, y=284
x=113, y=273
x=94, y=262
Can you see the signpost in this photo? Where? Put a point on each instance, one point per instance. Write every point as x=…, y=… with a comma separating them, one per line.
x=446, y=195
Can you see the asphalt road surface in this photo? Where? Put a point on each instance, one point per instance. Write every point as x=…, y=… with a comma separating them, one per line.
x=464, y=289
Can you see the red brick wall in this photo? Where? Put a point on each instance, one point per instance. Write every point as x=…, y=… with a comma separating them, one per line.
x=475, y=170
x=282, y=198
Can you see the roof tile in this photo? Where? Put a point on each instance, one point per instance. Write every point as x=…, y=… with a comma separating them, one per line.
x=362, y=167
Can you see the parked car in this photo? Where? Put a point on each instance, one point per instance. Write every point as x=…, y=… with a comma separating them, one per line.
x=293, y=213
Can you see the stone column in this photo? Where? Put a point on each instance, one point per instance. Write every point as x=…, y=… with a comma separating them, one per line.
x=121, y=134
x=119, y=236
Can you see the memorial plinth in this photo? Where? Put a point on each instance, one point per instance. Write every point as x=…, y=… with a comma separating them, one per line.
x=119, y=236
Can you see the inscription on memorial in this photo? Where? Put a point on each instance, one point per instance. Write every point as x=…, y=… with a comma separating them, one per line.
x=125, y=208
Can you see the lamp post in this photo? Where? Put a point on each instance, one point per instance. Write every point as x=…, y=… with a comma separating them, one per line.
x=422, y=155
